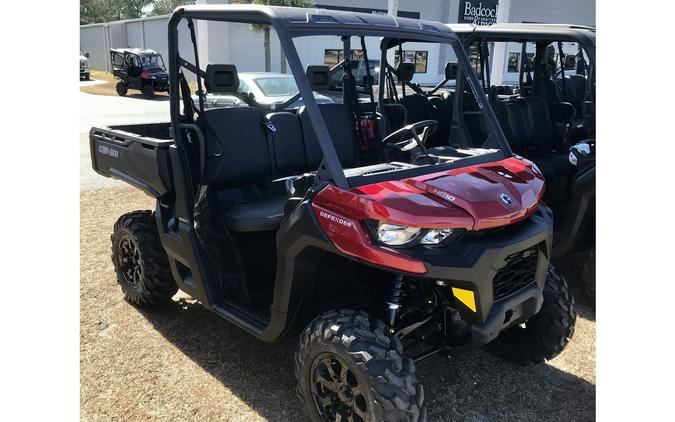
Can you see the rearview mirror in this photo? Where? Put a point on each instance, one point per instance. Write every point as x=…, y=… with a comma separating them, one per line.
x=86, y=55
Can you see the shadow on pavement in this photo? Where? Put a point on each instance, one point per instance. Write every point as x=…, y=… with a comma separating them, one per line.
x=472, y=387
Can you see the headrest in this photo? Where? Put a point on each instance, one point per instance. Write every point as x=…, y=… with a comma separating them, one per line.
x=319, y=77
x=405, y=71
x=451, y=71
x=221, y=78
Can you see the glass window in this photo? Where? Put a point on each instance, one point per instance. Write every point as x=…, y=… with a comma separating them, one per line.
x=421, y=61
x=514, y=63
x=332, y=57
x=419, y=58
x=277, y=87
x=243, y=87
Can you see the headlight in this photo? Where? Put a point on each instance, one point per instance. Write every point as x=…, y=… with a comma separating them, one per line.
x=401, y=236
x=435, y=236
x=393, y=235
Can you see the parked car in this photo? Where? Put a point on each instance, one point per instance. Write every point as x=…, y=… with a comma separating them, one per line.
x=84, y=66
x=265, y=88
x=141, y=69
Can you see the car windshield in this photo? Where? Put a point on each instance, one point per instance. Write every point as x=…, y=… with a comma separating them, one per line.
x=152, y=62
x=277, y=86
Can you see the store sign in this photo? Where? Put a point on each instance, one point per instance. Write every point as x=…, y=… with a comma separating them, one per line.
x=482, y=12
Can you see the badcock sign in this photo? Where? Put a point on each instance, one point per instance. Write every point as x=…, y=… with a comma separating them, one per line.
x=482, y=12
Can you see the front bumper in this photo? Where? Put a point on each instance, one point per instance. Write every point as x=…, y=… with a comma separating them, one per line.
x=506, y=313
x=473, y=263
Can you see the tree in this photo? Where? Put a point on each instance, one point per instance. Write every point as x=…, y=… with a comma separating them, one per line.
x=97, y=11
x=266, y=28
x=132, y=9
x=165, y=7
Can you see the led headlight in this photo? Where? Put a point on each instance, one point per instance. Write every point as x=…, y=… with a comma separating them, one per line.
x=390, y=234
x=435, y=236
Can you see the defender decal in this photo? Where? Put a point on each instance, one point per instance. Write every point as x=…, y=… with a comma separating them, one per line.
x=336, y=219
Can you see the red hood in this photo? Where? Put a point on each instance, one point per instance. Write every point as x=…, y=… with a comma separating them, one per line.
x=475, y=198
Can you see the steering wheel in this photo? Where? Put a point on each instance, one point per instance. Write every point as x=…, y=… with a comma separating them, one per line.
x=412, y=131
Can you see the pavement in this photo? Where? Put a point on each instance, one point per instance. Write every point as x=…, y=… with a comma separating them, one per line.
x=102, y=110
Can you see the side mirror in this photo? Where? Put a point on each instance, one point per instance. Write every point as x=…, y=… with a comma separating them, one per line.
x=86, y=55
x=451, y=71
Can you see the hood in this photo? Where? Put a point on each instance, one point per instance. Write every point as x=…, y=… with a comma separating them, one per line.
x=474, y=198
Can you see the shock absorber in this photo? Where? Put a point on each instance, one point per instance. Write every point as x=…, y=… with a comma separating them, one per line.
x=397, y=294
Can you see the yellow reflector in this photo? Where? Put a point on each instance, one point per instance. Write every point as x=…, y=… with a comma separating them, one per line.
x=466, y=297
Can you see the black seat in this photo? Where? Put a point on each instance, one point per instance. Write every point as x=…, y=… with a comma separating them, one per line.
x=239, y=161
x=341, y=127
x=261, y=215
x=287, y=144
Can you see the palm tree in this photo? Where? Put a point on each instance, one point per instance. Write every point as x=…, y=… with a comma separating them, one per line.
x=266, y=28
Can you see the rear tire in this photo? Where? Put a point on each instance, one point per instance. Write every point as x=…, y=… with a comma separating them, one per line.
x=140, y=261
x=348, y=364
x=544, y=335
x=121, y=89
x=148, y=91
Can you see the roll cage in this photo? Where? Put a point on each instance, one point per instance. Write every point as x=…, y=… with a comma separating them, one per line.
x=522, y=33
x=296, y=22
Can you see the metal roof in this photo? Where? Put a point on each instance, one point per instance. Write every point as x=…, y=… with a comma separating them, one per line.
x=138, y=51
x=313, y=21
x=527, y=31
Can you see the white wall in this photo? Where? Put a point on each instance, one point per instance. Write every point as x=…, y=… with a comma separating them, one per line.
x=237, y=43
x=579, y=12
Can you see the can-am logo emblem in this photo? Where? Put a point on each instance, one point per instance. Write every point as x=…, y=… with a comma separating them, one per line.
x=506, y=199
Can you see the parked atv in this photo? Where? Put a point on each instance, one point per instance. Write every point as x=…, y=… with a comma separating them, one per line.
x=141, y=69
x=548, y=118
x=557, y=92
x=287, y=221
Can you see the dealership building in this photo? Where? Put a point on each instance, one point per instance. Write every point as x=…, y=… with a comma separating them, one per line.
x=220, y=42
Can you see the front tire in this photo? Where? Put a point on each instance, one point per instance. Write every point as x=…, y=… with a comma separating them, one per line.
x=148, y=91
x=121, y=89
x=546, y=334
x=348, y=365
x=140, y=261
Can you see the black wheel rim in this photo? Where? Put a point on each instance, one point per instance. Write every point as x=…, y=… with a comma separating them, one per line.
x=129, y=261
x=338, y=395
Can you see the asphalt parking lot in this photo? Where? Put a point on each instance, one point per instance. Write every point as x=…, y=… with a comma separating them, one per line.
x=182, y=362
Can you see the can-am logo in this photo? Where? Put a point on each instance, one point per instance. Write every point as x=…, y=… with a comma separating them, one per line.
x=336, y=219
x=481, y=13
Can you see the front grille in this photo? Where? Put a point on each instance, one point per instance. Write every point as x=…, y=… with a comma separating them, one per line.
x=519, y=272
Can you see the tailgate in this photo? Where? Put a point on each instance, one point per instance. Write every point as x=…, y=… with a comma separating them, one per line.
x=141, y=161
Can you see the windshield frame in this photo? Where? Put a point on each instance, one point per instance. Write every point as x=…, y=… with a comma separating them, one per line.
x=290, y=23
x=162, y=66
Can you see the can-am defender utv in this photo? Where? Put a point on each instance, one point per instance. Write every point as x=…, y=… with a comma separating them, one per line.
x=286, y=221
x=551, y=121
x=547, y=113
x=141, y=69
